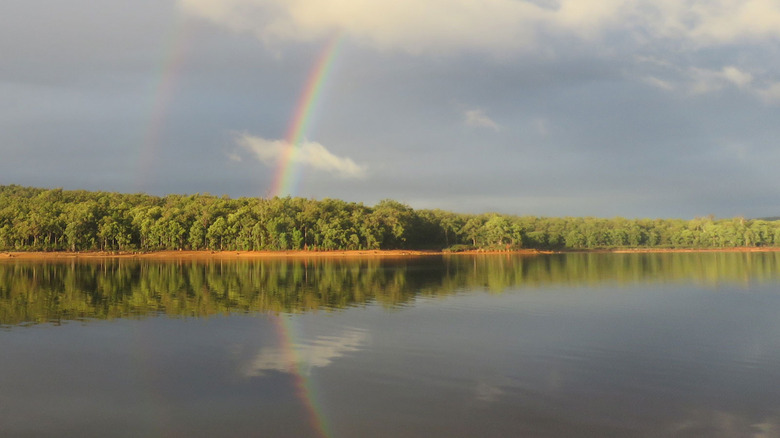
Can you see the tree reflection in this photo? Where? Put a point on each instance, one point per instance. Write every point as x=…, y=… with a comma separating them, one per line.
x=37, y=292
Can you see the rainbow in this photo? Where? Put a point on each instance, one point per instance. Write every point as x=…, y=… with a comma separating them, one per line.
x=288, y=170
x=304, y=385
x=173, y=56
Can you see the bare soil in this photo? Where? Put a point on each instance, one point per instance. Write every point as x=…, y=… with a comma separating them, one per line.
x=738, y=249
x=206, y=255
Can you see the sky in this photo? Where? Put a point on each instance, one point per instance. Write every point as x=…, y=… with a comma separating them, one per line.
x=633, y=108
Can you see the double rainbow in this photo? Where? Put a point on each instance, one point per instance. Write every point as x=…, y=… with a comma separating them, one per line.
x=285, y=182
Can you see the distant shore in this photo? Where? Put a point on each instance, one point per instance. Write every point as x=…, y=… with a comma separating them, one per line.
x=204, y=255
x=228, y=255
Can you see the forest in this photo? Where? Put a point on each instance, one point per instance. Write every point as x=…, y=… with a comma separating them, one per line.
x=38, y=219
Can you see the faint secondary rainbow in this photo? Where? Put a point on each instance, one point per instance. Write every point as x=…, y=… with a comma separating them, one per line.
x=166, y=77
x=304, y=386
x=288, y=171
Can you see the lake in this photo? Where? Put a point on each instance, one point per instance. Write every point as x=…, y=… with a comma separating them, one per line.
x=572, y=345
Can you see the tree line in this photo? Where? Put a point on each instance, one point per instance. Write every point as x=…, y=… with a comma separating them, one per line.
x=38, y=219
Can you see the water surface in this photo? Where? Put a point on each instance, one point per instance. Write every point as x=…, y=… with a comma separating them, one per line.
x=548, y=346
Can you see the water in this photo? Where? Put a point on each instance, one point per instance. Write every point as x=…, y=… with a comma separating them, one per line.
x=598, y=345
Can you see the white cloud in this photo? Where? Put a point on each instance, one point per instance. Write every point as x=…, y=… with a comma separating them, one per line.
x=658, y=83
x=729, y=20
x=705, y=81
x=232, y=156
x=410, y=25
x=318, y=353
x=493, y=25
x=308, y=153
x=699, y=80
x=478, y=118
x=737, y=77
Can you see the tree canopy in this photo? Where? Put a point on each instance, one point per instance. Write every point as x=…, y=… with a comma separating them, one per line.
x=37, y=219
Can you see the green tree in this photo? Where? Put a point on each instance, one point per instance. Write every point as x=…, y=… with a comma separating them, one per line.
x=216, y=233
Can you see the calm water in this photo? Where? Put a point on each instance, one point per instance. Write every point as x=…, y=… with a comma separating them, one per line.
x=579, y=345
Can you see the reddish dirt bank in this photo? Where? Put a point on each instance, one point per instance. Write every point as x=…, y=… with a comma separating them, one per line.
x=237, y=254
x=739, y=249
x=210, y=254
x=203, y=255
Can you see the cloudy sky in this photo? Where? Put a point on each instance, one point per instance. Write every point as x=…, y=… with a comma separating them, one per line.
x=636, y=108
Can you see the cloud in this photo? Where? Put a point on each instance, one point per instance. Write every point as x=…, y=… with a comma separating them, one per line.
x=705, y=81
x=736, y=76
x=310, y=154
x=698, y=80
x=477, y=118
x=232, y=156
x=658, y=83
x=684, y=31
x=320, y=352
x=730, y=20
x=493, y=25
x=488, y=391
x=408, y=25
x=699, y=421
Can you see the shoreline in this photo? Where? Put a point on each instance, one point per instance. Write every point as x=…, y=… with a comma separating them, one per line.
x=206, y=254
x=234, y=255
